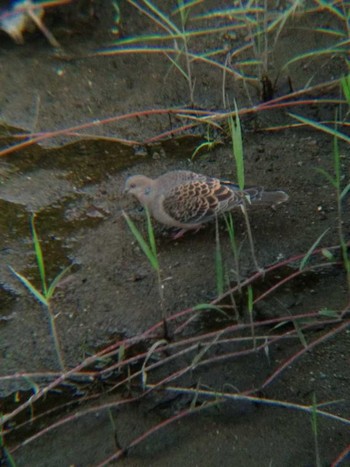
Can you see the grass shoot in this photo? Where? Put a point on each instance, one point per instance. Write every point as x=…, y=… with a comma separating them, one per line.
x=233, y=243
x=237, y=151
x=219, y=265
x=336, y=181
x=47, y=290
x=250, y=313
x=314, y=426
x=149, y=249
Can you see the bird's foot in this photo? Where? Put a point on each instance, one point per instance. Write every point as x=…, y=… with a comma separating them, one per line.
x=180, y=233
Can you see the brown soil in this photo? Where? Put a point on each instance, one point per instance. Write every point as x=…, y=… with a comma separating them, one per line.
x=74, y=184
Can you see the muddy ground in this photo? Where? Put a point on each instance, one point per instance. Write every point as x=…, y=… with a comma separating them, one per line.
x=75, y=183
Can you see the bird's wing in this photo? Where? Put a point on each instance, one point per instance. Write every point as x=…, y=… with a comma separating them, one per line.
x=250, y=194
x=198, y=201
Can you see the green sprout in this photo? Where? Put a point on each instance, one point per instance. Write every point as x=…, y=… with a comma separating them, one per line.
x=149, y=249
x=47, y=290
x=237, y=151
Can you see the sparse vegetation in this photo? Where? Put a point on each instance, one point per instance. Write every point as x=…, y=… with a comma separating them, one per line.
x=264, y=322
x=47, y=290
x=150, y=250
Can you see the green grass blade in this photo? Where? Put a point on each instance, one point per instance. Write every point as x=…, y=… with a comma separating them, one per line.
x=219, y=266
x=39, y=255
x=6, y=456
x=337, y=33
x=121, y=353
x=183, y=6
x=231, y=233
x=310, y=251
x=321, y=127
x=336, y=11
x=237, y=147
x=345, y=191
x=203, y=350
x=184, y=12
x=331, y=180
x=248, y=12
x=345, y=84
x=56, y=280
x=340, y=194
x=314, y=427
x=208, y=306
x=156, y=18
x=153, y=260
x=199, y=148
x=171, y=50
x=328, y=313
x=300, y=333
x=327, y=254
x=177, y=66
x=233, y=243
x=250, y=299
x=229, y=225
x=38, y=295
x=194, y=400
x=339, y=50
x=150, y=233
x=337, y=168
x=166, y=21
x=143, y=39
x=250, y=312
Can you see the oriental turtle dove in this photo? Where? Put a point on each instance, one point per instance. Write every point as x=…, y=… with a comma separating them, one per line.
x=185, y=199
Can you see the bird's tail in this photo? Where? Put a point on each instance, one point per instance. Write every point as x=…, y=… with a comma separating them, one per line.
x=257, y=196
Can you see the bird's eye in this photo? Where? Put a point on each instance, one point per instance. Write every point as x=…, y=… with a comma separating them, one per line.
x=132, y=185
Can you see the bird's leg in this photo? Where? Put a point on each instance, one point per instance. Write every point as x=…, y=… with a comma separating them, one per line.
x=180, y=233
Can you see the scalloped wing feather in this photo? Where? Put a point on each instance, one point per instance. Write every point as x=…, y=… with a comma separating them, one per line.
x=200, y=200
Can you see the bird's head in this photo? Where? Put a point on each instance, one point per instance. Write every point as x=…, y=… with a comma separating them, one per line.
x=141, y=187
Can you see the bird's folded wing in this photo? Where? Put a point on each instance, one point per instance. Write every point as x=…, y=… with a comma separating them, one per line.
x=198, y=201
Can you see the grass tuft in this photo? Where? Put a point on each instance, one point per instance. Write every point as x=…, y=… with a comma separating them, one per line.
x=44, y=296
x=150, y=250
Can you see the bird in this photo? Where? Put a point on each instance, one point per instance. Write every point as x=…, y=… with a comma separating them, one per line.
x=186, y=200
